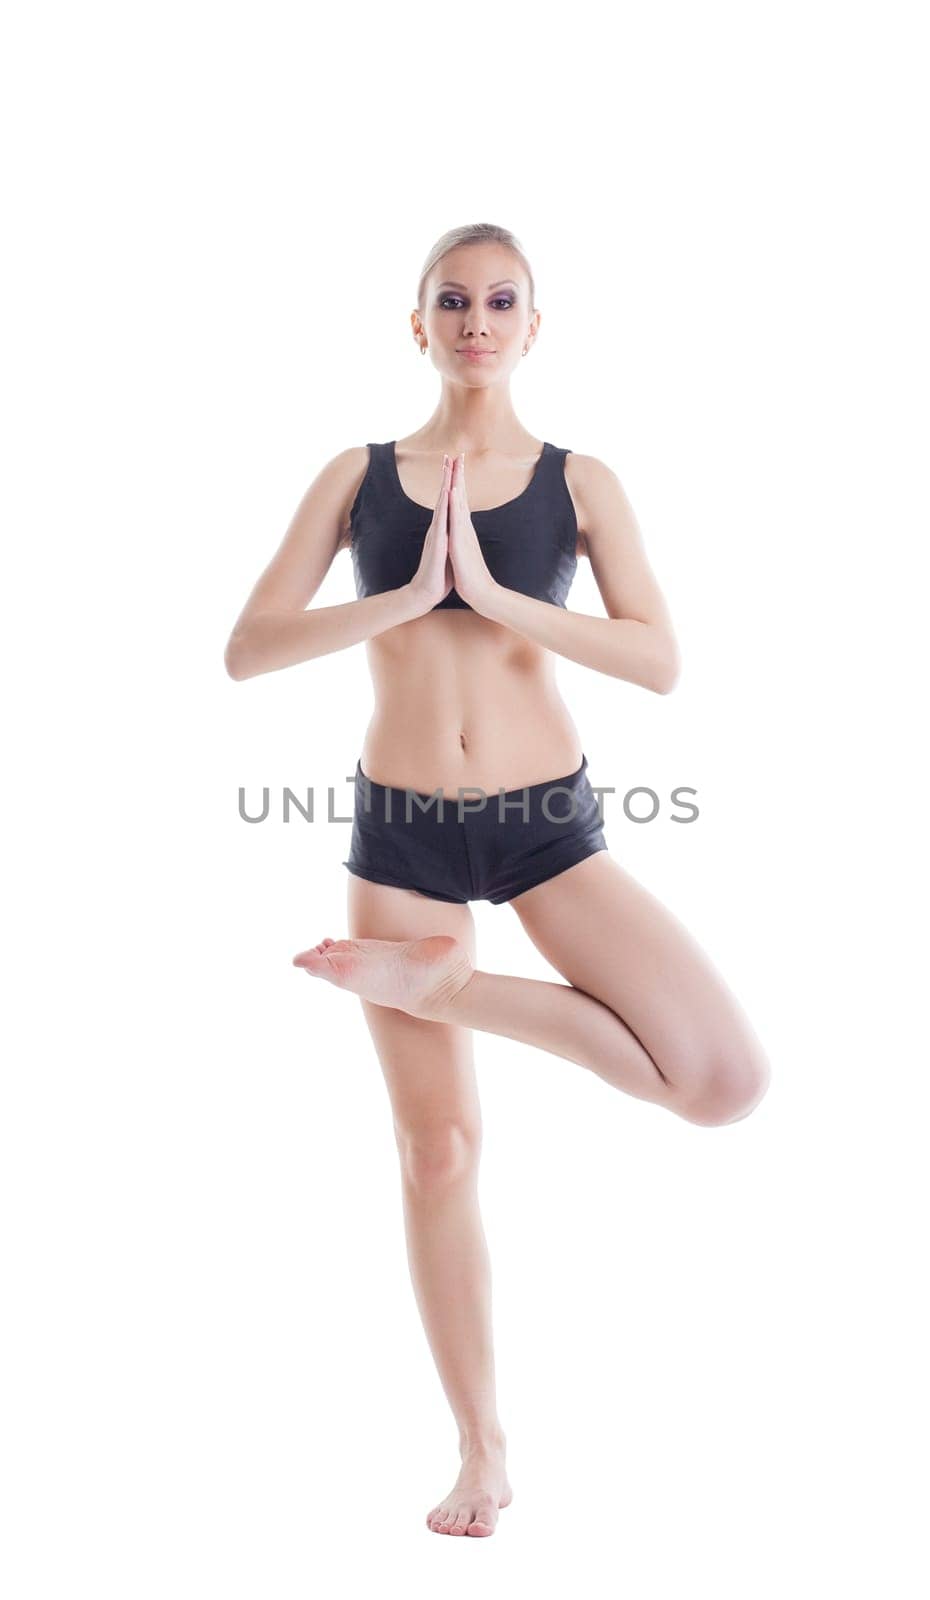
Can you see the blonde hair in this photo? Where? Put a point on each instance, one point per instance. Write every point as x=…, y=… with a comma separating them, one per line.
x=473, y=233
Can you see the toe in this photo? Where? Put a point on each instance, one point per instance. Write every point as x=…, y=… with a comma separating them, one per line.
x=308, y=957
x=484, y=1519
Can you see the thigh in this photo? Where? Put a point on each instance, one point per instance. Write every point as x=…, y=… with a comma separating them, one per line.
x=428, y=1066
x=608, y=935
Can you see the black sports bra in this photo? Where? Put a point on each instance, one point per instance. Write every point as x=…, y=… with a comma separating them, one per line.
x=529, y=543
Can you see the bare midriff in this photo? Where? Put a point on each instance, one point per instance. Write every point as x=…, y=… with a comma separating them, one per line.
x=464, y=701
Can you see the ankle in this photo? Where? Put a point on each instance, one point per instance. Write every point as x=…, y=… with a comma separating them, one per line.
x=489, y=1441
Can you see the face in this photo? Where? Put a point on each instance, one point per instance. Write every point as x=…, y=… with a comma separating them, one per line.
x=476, y=299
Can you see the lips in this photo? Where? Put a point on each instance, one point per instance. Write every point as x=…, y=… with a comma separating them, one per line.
x=476, y=355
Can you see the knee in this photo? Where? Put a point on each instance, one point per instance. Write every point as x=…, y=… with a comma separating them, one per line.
x=729, y=1091
x=439, y=1155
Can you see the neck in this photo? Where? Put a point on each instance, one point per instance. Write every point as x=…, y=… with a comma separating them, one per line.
x=475, y=421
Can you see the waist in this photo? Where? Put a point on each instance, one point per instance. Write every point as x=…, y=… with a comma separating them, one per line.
x=406, y=749
x=459, y=700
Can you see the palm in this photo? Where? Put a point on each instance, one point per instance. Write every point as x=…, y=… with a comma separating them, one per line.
x=471, y=575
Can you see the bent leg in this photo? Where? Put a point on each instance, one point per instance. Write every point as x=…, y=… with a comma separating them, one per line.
x=646, y=1008
x=609, y=935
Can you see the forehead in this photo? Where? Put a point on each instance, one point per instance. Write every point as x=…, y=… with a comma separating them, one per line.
x=478, y=267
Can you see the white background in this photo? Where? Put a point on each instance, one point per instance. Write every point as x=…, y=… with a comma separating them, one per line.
x=709, y=1341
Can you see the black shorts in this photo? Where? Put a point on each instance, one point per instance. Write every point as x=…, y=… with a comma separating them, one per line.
x=472, y=849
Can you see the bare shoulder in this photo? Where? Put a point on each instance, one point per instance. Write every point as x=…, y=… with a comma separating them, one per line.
x=601, y=503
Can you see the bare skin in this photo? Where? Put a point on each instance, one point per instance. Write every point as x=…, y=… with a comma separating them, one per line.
x=470, y=698
x=433, y=978
x=625, y=956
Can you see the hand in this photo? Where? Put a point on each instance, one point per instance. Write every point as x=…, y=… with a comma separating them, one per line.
x=432, y=580
x=473, y=581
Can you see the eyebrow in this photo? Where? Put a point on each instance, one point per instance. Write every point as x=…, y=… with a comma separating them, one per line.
x=447, y=283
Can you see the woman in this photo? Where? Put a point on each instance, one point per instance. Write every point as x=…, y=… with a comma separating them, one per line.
x=461, y=599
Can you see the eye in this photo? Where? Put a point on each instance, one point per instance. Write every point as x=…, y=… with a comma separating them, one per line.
x=501, y=299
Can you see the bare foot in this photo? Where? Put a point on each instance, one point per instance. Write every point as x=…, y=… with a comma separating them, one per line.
x=481, y=1487
x=414, y=975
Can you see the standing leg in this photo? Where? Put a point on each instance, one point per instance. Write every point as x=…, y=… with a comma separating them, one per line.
x=429, y=1070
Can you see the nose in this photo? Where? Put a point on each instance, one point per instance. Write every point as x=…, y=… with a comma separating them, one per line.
x=474, y=325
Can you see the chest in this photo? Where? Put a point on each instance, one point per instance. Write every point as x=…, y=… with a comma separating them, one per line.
x=530, y=543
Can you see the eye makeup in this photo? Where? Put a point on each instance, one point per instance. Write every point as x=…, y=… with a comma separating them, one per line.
x=507, y=299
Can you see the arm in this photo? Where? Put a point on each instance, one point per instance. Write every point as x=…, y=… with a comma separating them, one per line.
x=636, y=639
x=274, y=628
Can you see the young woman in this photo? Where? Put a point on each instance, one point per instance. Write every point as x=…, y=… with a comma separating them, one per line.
x=461, y=600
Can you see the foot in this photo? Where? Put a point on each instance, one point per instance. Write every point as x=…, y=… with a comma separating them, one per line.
x=415, y=975
x=480, y=1489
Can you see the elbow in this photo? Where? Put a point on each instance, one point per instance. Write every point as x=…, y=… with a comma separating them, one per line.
x=668, y=669
x=234, y=659
x=667, y=680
